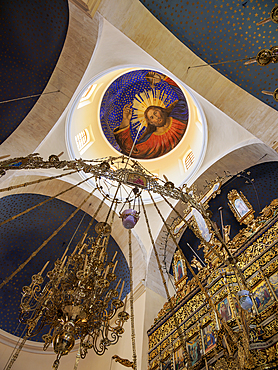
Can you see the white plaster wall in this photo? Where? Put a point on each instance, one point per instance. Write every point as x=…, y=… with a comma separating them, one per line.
x=114, y=50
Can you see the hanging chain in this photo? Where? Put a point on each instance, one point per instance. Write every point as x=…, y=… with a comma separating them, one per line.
x=84, y=236
x=77, y=358
x=134, y=357
x=17, y=352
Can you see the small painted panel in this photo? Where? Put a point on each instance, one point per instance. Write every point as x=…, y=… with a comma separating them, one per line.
x=144, y=113
x=262, y=297
x=180, y=359
x=224, y=309
x=209, y=338
x=194, y=350
x=274, y=282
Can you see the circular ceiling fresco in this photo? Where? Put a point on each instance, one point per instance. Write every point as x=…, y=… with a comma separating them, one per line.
x=144, y=114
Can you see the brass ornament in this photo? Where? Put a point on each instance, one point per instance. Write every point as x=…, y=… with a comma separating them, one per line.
x=274, y=14
x=123, y=361
x=264, y=57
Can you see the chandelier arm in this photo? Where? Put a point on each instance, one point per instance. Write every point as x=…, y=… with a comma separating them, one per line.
x=209, y=299
x=44, y=202
x=176, y=320
x=131, y=300
x=5, y=281
x=9, y=188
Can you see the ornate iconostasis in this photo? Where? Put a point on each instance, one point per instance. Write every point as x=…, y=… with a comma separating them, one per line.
x=245, y=210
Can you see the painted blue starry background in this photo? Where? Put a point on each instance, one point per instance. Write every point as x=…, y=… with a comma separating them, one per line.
x=32, y=35
x=22, y=236
x=121, y=92
x=224, y=30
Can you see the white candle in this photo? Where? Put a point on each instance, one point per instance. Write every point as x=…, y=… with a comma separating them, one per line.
x=64, y=253
x=75, y=249
x=81, y=249
x=118, y=283
x=122, y=288
x=63, y=262
x=44, y=267
x=106, y=272
x=114, y=256
x=114, y=267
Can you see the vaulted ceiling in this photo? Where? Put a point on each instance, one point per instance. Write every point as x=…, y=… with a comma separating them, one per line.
x=32, y=35
x=225, y=31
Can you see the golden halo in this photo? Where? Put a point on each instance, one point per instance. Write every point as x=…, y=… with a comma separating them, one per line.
x=142, y=101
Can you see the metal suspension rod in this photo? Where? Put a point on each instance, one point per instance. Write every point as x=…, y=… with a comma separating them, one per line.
x=36, y=181
x=42, y=203
x=114, y=199
x=28, y=97
x=112, y=220
x=216, y=63
x=84, y=236
x=77, y=358
x=134, y=356
x=5, y=281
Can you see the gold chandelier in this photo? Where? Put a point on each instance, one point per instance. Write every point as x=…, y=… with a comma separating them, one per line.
x=77, y=301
